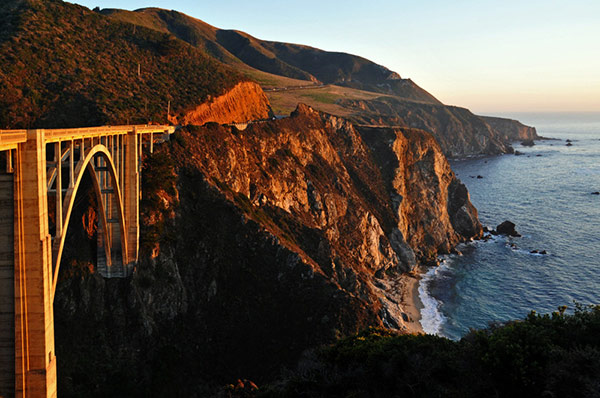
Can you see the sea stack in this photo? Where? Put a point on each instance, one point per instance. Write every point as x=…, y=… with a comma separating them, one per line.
x=507, y=228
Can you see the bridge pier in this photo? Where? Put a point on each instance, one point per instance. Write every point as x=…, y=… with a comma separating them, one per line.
x=132, y=193
x=35, y=359
x=7, y=284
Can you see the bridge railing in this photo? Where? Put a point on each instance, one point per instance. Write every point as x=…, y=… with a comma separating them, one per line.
x=10, y=138
x=55, y=135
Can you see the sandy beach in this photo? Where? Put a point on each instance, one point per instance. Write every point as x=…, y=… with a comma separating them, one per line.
x=410, y=301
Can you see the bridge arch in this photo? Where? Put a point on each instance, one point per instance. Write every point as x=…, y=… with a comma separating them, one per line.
x=89, y=164
x=112, y=155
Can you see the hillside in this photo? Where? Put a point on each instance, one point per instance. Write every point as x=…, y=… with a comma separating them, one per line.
x=458, y=130
x=66, y=66
x=282, y=59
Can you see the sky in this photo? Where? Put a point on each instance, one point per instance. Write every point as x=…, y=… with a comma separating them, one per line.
x=489, y=56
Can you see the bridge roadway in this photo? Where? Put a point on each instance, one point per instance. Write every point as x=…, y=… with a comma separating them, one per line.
x=36, y=200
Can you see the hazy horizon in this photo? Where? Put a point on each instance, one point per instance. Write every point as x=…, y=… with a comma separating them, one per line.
x=492, y=58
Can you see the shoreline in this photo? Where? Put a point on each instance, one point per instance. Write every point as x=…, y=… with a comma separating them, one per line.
x=411, y=303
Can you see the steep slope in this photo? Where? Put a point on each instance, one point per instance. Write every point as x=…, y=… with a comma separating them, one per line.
x=67, y=66
x=258, y=245
x=191, y=30
x=459, y=132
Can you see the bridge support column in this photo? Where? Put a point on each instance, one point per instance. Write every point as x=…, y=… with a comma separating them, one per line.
x=35, y=359
x=7, y=283
x=131, y=195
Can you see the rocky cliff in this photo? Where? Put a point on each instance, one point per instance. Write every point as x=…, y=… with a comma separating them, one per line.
x=257, y=245
x=512, y=130
x=244, y=102
x=458, y=131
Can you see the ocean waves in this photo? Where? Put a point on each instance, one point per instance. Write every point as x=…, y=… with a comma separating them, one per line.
x=432, y=318
x=503, y=278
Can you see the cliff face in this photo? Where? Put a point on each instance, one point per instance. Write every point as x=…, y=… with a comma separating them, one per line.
x=433, y=206
x=244, y=102
x=259, y=244
x=512, y=130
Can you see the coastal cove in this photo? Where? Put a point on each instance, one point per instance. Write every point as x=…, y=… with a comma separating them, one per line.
x=547, y=193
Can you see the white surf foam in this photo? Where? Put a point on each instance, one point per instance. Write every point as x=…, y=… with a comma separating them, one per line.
x=432, y=318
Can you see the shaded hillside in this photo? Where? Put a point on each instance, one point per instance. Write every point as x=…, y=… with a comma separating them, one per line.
x=64, y=65
x=257, y=245
x=349, y=71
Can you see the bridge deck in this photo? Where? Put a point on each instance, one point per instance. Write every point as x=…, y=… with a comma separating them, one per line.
x=9, y=139
x=54, y=135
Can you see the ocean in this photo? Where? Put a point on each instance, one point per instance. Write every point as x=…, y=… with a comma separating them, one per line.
x=546, y=192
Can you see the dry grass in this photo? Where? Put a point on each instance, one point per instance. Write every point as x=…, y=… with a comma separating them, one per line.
x=324, y=98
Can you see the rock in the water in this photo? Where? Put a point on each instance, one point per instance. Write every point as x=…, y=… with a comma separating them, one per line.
x=479, y=176
x=518, y=153
x=507, y=228
x=569, y=144
x=596, y=193
x=527, y=143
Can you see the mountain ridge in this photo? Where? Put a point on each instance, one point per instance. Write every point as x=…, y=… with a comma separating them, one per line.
x=286, y=59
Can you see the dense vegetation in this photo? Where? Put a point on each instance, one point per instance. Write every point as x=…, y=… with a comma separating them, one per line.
x=555, y=355
x=66, y=66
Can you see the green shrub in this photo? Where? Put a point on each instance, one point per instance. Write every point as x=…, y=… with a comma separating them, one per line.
x=555, y=354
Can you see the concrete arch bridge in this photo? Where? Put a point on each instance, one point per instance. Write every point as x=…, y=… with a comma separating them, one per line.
x=42, y=170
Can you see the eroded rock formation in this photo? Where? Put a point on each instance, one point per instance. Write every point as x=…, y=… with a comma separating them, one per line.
x=262, y=243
